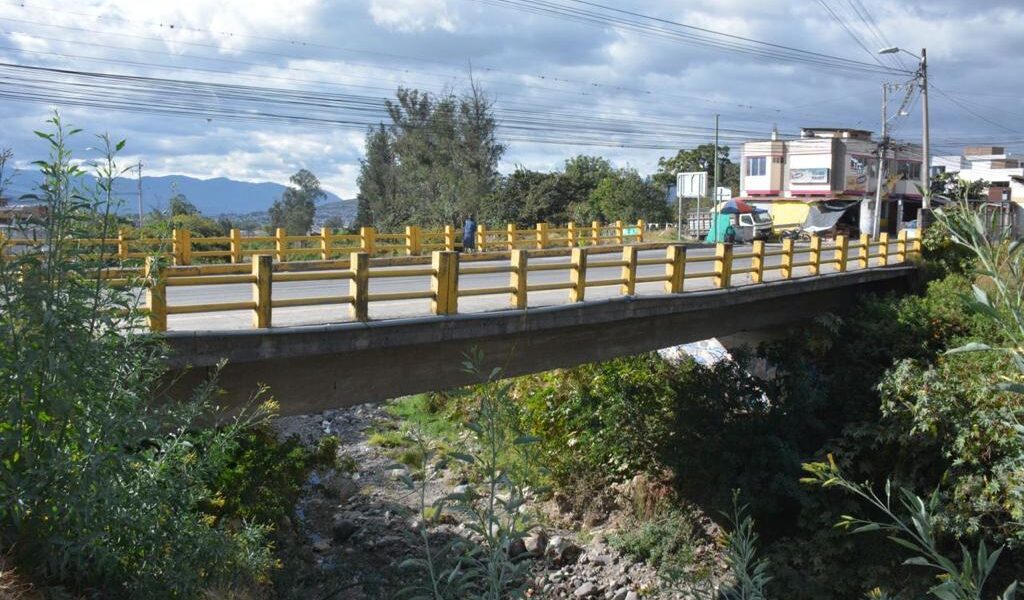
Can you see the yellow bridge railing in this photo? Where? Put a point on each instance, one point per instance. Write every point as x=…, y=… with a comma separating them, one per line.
x=184, y=248
x=451, y=277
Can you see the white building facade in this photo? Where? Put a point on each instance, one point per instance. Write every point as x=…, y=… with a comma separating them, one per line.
x=834, y=168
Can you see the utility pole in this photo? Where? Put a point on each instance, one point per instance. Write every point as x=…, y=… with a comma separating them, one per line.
x=140, y=193
x=714, y=187
x=876, y=219
x=926, y=202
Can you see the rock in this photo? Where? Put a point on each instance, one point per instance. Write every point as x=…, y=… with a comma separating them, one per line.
x=338, y=486
x=632, y=596
x=620, y=594
x=322, y=545
x=536, y=543
x=517, y=549
x=342, y=529
x=587, y=590
x=562, y=551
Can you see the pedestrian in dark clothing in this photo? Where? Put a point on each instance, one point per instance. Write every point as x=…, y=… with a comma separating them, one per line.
x=469, y=234
x=730, y=234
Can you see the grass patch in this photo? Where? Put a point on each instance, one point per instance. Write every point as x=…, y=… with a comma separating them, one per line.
x=667, y=543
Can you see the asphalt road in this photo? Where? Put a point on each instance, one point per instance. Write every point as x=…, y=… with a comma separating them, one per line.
x=318, y=315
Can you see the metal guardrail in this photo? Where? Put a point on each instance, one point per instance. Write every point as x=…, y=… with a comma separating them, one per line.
x=449, y=275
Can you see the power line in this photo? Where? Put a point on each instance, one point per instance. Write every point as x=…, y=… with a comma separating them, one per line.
x=685, y=33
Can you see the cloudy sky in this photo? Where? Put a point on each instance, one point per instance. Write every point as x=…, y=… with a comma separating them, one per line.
x=294, y=84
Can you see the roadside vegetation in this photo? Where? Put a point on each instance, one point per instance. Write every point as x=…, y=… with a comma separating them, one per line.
x=107, y=487
x=919, y=396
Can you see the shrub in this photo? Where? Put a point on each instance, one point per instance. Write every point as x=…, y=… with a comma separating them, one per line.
x=103, y=482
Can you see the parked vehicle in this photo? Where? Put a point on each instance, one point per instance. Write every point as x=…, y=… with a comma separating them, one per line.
x=798, y=234
x=753, y=226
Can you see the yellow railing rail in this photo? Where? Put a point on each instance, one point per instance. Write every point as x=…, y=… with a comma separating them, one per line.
x=183, y=247
x=451, y=278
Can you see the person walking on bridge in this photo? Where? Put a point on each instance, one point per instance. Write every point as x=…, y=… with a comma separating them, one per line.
x=469, y=234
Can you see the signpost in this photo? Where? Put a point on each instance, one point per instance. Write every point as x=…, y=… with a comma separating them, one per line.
x=690, y=185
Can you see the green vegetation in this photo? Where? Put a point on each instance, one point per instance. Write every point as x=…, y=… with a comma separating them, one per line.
x=108, y=488
x=297, y=206
x=921, y=390
x=436, y=162
x=496, y=460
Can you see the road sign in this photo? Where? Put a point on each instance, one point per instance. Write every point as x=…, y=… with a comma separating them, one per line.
x=692, y=185
x=724, y=194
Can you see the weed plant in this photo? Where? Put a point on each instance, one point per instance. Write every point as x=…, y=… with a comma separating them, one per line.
x=102, y=480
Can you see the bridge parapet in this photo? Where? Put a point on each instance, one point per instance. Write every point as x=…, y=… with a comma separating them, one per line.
x=451, y=276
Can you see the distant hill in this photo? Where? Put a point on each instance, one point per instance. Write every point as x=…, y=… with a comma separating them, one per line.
x=212, y=197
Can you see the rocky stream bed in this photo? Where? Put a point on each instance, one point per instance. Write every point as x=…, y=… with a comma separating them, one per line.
x=352, y=530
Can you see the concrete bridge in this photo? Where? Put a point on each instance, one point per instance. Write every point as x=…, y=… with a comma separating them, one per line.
x=312, y=368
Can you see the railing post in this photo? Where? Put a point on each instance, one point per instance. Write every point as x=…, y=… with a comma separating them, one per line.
x=786, y=263
x=186, y=247
x=156, y=294
x=367, y=240
x=449, y=238
x=619, y=239
x=640, y=230
x=262, y=270
x=842, y=247
x=542, y=236
x=578, y=275
x=864, y=251
x=325, y=243
x=629, y=256
x=510, y=236
x=815, y=252
x=413, y=245
x=517, y=278
x=901, y=246
x=359, y=285
x=570, y=234
x=675, y=269
x=916, y=246
x=481, y=238
x=236, y=245
x=122, y=245
x=280, y=244
x=176, y=246
x=595, y=233
x=723, y=265
x=757, y=261
x=445, y=283
x=883, y=248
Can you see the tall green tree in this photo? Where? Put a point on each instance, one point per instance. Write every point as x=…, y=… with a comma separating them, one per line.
x=478, y=150
x=378, y=183
x=297, y=206
x=701, y=158
x=434, y=164
x=627, y=196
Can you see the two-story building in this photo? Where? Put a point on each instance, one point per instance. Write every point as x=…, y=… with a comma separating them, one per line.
x=825, y=178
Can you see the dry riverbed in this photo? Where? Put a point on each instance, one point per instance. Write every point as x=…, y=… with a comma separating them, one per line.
x=354, y=527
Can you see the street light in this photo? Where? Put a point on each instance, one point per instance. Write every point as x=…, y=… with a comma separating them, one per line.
x=922, y=74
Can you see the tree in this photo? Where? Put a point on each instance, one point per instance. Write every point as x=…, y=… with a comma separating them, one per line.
x=435, y=163
x=625, y=195
x=701, y=158
x=953, y=186
x=378, y=183
x=478, y=150
x=294, y=211
x=179, y=205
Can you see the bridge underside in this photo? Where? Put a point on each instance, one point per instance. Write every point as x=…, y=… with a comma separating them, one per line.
x=309, y=369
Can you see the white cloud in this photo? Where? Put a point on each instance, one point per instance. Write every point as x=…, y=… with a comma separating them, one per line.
x=412, y=15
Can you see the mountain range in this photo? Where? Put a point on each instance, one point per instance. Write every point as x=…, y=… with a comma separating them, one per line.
x=212, y=197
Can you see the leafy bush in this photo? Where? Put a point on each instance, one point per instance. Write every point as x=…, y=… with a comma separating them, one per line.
x=102, y=481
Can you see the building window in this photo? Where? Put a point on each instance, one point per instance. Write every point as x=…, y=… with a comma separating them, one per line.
x=908, y=170
x=756, y=166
